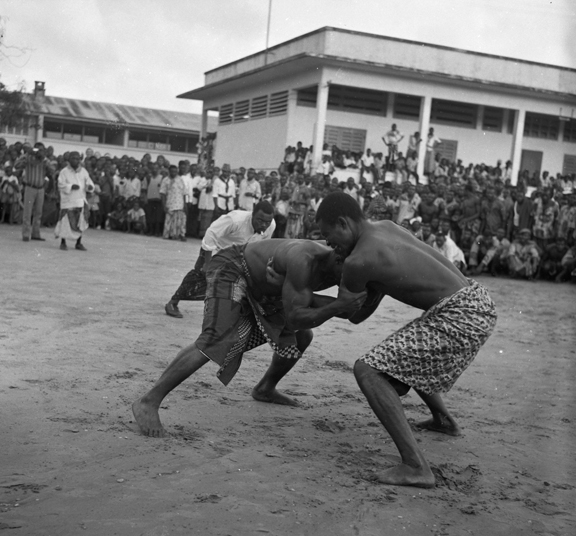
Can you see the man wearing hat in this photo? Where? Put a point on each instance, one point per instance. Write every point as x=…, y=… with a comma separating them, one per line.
x=73, y=183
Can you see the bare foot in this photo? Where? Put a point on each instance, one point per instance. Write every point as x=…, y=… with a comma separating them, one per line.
x=406, y=475
x=273, y=397
x=148, y=420
x=442, y=425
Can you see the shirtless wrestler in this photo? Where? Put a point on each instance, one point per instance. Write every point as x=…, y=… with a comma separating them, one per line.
x=429, y=353
x=244, y=308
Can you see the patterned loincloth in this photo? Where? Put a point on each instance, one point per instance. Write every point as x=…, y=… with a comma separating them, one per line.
x=234, y=321
x=431, y=352
x=72, y=223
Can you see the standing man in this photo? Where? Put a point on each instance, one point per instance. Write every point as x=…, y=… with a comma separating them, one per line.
x=391, y=139
x=429, y=353
x=223, y=192
x=173, y=195
x=430, y=161
x=243, y=310
x=73, y=183
x=249, y=192
x=36, y=167
x=154, y=212
x=232, y=229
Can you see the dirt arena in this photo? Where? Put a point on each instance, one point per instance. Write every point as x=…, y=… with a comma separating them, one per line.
x=82, y=334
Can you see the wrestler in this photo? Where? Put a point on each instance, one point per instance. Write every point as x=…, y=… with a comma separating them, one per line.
x=244, y=308
x=428, y=354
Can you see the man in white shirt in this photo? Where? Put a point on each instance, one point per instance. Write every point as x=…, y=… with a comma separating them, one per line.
x=235, y=228
x=73, y=183
x=224, y=192
x=249, y=192
x=447, y=247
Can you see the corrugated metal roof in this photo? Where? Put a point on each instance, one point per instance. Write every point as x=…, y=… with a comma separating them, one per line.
x=106, y=112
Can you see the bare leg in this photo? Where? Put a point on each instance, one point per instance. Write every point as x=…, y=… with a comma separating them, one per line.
x=441, y=420
x=145, y=409
x=385, y=402
x=265, y=390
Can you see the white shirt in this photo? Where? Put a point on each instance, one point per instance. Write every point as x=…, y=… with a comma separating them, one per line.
x=246, y=202
x=68, y=177
x=450, y=250
x=194, y=183
x=231, y=229
x=187, y=179
x=224, y=193
x=206, y=201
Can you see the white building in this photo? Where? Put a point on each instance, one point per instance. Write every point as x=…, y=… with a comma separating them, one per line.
x=345, y=87
x=72, y=124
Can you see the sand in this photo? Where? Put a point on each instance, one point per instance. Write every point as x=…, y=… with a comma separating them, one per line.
x=84, y=333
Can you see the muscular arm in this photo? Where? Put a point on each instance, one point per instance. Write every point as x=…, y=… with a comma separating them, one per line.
x=304, y=309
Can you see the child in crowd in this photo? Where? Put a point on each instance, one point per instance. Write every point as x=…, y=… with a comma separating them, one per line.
x=136, y=219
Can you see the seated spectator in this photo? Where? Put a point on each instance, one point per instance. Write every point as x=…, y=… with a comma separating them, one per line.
x=495, y=258
x=551, y=263
x=116, y=220
x=568, y=265
x=416, y=228
x=311, y=228
x=447, y=247
x=523, y=256
x=136, y=219
x=427, y=236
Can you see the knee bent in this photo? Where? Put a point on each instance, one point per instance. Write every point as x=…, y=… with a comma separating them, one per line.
x=304, y=339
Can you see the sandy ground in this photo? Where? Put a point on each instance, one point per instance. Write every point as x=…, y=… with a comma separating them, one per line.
x=84, y=333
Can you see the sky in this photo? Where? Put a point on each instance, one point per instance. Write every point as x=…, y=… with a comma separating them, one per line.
x=145, y=52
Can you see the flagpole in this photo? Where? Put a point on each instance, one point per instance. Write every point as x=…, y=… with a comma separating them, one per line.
x=268, y=32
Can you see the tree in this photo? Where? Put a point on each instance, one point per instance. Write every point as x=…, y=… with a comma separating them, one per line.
x=13, y=106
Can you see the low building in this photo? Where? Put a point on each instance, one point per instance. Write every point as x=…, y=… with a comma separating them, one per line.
x=347, y=88
x=73, y=124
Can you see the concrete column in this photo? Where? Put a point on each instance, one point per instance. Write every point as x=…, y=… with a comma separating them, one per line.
x=425, y=110
x=517, y=136
x=39, y=128
x=291, y=117
x=321, y=108
x=479, y=117
x=126, y=137
x=204, y=124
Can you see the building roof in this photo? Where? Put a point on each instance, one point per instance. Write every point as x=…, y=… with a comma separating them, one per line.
x=358, y=50
x=106, y=112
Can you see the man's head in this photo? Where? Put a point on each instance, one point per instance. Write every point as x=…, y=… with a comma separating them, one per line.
x=524, y=235
x=251, y=174
x=173, y=171
x=262, y=216
x=339, y=217
x=440, y=239
x=74, y=159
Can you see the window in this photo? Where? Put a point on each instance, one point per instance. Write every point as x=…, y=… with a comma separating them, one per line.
x=72, y=132
x=183, y=144
x=225, y=114
x=307, y=96
x=570, y=130
x=114, y=136
x=241, y=111
x=278, y=103
x=259, y=107
x=93, y=134
x=359, y=100
x=406, y=106
x=447, y=149
x=53, y=130
x=569, y=165
x=458, y=114
x=492, y=119
x=541, y=126
x=353, y=139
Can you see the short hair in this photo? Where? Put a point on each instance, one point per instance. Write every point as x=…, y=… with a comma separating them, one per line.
x=264, y=206
x=337, y=204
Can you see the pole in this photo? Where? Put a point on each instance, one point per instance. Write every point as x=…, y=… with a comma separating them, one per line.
x=268, y=32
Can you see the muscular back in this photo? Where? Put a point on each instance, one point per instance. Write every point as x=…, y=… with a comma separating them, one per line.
x=401, y=266
x=292, y=258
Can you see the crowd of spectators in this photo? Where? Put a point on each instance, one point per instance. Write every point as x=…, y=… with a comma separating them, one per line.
x=471, y=214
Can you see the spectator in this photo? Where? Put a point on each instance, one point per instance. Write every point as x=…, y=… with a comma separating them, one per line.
x=223, y=192
x=551, y=263
x=249, y=192
x=523, y=256
x=136, y=219
x=73, y=183
x=545, y=220
x=446, y=246
x=173, y=195
x=35, y=167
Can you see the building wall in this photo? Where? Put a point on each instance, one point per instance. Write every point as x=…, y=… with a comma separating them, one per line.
x=259, y=144
x=61, y=146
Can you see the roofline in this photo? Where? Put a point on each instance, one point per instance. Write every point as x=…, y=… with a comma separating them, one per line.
x=31, y=95
x=378, y=65
x=398, y=40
